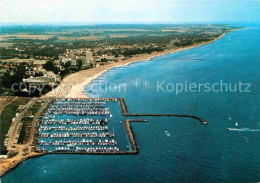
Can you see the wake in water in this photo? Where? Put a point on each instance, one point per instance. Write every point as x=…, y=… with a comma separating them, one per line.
x=244, y=130
x=244, y=137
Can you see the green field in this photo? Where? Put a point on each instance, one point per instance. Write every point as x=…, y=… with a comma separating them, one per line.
x=6, y=117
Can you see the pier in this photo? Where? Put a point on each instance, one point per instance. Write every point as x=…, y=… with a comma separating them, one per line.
x=88, y=135
x=83, y=126
x=78, y=126
x=125, y=113
x=172, y=115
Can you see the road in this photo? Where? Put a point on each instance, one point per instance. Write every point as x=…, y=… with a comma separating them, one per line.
x=13, y=133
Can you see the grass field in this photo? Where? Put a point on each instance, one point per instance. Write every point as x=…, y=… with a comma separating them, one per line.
x=4, y=101
x=6, y=117
x=20, y=36
x=27, y=123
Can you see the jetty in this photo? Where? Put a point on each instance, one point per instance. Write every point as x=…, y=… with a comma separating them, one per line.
x=125, y=113
x=75, y=126
x=85, y=134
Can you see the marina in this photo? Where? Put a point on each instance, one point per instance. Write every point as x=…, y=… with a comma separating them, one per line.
x=77, y=125
x=180, y=147
x=91, y=126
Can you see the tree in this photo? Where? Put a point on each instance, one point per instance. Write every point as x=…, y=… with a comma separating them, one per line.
x=79, y=64
x=20, y=72
x=7, y=80
x=49, y=66
x=67, y=65
x=103, y=60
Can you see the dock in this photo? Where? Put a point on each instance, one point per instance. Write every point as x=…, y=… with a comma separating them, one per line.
x=83, y=135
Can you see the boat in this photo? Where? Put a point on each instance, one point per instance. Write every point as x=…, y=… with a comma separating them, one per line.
x=167, y=133
x=236, y=124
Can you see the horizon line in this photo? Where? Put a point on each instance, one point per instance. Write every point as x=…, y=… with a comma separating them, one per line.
x=123, y=23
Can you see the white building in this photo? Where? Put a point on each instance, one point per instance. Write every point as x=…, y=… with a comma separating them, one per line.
x=86, y=58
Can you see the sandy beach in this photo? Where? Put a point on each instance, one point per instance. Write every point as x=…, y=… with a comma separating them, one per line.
x=73, y=85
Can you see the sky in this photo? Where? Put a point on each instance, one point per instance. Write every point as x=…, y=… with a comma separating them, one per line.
x=128, y=11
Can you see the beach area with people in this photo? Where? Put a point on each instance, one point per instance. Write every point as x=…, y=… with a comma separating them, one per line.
x=72, y=86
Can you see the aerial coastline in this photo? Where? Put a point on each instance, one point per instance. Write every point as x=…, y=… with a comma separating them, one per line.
x=11, y=163
x=73, y=85
x=102, y=91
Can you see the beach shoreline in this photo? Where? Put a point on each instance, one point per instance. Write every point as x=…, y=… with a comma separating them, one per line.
x=73, y=85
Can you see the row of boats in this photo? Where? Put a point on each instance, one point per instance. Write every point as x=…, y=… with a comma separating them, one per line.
x=86, y=100
x=78, y=102
x=79, y=135
x=78, y=107
x=81, y=128
x=77, y=143
x=88, y=106
x=76, y=135
x=83, y=149
x=77, y=112
x=84, y=121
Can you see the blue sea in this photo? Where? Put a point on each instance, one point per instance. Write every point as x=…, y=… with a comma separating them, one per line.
x=176, y=149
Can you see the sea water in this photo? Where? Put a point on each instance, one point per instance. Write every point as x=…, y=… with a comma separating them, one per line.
x=176, y=149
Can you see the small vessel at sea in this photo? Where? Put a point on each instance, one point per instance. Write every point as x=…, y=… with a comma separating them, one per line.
x=236, y=124
x=167, y=133
x=240, y=129
x=231, y=128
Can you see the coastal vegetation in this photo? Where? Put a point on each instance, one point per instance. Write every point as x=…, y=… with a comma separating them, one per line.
x=52, y=47
x=7, y=115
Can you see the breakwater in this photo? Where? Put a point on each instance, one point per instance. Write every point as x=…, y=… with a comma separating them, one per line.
x=131, y=134
x=69, y=136
x=64, y=138
x=172, y=115
x=125, y=113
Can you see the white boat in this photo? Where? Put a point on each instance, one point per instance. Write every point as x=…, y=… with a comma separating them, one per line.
x=236, y=124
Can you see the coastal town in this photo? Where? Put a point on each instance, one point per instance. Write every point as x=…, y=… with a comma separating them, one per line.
x=131, y=91
x=34, y=63
x=43, y=78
